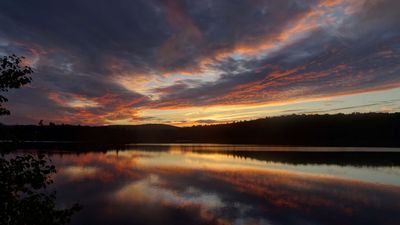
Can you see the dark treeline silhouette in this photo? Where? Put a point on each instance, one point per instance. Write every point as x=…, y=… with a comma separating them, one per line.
x=292, y=156
x=357, y=129
x=369, y=129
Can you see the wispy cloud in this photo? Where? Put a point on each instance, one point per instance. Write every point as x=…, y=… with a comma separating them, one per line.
x=102, y=63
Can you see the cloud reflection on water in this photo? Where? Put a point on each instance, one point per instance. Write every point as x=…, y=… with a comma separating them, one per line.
x=139, y=187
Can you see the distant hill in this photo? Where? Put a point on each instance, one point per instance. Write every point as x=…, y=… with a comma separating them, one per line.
x=367, y=129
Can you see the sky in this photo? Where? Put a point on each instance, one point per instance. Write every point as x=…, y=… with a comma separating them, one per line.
x=189, y=62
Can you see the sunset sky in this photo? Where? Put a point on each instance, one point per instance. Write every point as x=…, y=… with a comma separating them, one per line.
x=190, y=62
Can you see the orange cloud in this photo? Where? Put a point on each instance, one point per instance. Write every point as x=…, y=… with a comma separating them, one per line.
x=105, y=109
x=174, y=51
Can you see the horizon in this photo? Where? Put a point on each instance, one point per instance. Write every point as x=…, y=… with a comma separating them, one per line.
x=51, y=123
x=186, y=63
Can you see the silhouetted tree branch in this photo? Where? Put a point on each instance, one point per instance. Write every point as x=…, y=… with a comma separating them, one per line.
x=24, y=199
x=12, y=75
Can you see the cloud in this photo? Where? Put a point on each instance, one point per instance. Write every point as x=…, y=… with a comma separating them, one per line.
x=207, y=121
x=161, y=54
x=322, y=64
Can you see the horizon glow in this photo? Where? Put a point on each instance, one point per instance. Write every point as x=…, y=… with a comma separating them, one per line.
x=191, y=62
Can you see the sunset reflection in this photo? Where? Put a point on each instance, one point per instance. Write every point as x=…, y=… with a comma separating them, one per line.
x=181, y=187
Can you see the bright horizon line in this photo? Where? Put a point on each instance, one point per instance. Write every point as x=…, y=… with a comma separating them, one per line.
x=363, y=107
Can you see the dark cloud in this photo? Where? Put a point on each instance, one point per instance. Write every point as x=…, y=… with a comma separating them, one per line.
x=82, y=49
x=142, y=32
x=324, y=63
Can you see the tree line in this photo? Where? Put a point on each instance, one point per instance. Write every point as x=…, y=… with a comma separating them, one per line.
x=357, y=129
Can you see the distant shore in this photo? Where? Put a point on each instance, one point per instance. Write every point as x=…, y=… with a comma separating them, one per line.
x=355, y=156
x=339, y=130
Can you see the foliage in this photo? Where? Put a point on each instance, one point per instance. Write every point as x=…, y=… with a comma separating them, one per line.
x=12, y=75
x=24, y=199
x=366, y=129
x=23, y=192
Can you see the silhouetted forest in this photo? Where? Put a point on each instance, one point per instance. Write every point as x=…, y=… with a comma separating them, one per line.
x=357, y=129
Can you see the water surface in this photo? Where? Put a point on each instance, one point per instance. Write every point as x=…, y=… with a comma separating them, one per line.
x=209, y=184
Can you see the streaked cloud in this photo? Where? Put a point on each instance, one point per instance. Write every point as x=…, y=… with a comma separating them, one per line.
x=149, y=61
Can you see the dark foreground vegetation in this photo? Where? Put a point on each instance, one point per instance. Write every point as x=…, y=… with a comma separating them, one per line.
x=368, y=129
x=24, y=178
x=25, y=198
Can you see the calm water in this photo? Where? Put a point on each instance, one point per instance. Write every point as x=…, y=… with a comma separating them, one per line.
x=211, y=184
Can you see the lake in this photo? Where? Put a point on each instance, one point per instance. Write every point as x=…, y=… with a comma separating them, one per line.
x=230, y=184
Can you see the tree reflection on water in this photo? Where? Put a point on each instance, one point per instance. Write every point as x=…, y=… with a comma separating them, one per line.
x=25, y=199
